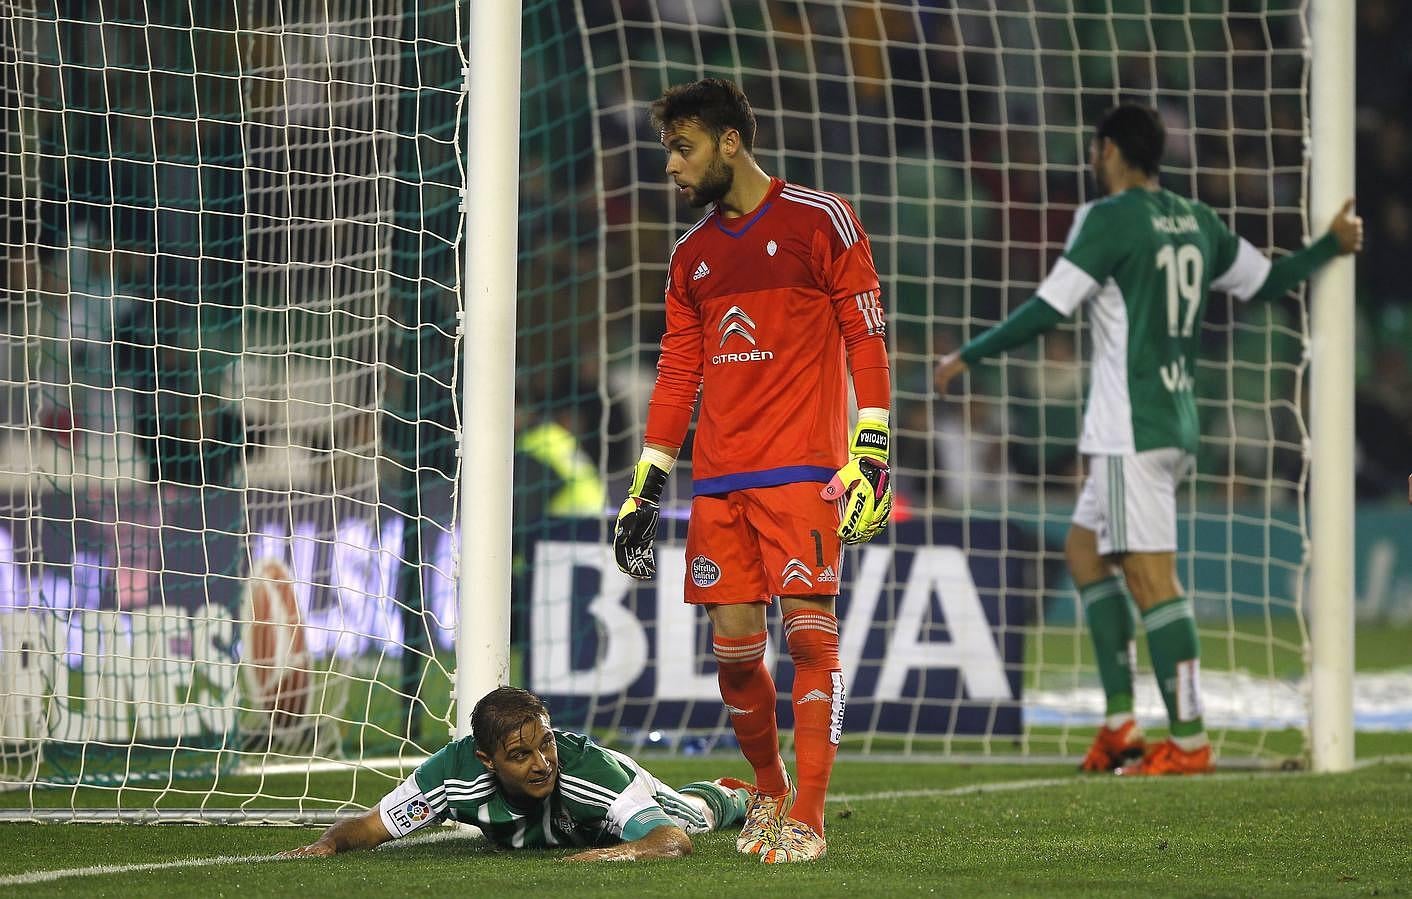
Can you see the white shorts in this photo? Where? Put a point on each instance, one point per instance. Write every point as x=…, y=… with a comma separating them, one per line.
x=1130, y=502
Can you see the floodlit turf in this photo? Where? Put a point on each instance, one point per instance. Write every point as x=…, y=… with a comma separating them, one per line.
x=896, y=829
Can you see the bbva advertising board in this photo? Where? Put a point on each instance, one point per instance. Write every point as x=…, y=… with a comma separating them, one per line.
x=931, y=636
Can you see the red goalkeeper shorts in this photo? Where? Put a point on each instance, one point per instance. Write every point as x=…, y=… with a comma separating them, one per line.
x=751, y=545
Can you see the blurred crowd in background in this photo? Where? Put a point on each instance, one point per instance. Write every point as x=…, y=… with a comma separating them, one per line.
x=968, y=205
x=964, y=163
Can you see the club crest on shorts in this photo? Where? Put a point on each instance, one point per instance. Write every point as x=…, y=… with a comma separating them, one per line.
x=704, y=572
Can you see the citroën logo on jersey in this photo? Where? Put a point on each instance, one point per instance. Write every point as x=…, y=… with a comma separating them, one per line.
x=737, y=323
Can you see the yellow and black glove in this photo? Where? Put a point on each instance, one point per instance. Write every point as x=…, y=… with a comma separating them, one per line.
x=863, y=484
x=637, y=519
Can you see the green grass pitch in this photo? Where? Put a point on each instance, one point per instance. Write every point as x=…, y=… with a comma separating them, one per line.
x=894, y=829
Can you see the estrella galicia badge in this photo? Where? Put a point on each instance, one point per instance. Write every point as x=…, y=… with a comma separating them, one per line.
x=704, y=572
x=418, y=810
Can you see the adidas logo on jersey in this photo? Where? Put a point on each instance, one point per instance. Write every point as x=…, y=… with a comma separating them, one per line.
x=827, y=576
x=701, y=271
x=814, y=696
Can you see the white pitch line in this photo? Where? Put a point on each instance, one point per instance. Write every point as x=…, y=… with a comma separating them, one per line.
x=1009, y=786
x=97, y=870
x=968, y=790
x=459, y=832
x=445, y=833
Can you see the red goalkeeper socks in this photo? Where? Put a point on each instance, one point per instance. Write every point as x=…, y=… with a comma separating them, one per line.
x=818, y=708
x=749, y=694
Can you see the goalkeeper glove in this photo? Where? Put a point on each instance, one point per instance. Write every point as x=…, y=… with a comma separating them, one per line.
x=637, y=519
x=863, y=484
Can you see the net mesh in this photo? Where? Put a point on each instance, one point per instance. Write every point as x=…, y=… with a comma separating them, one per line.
x=232, y=289
x=232, y=298
x=960, y=136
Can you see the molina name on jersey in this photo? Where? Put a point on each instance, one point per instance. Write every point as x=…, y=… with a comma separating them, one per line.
x=765, y=315
x=1146, y=259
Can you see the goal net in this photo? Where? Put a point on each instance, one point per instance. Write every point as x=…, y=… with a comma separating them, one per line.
x=232, y=276
x=232, y=273
x=959, y=133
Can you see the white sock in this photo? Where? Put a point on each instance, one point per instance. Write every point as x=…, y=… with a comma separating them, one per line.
x=1193, y=742
x=704, y=807
x=1113, y=722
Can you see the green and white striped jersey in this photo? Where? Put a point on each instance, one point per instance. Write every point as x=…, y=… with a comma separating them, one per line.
x=1146, y=260
x=602, y=797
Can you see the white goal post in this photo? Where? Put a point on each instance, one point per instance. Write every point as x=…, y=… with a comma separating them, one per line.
x=1331, y=414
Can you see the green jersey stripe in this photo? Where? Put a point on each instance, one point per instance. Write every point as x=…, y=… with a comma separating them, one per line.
x=593, y=787
x=588, y=788
x=681, y=809
x=598, y=792
x=1117, y=519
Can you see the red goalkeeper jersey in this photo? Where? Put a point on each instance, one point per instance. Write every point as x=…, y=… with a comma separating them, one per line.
x=766, y=314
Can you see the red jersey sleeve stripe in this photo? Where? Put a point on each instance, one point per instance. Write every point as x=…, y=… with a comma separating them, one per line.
x=870, y=307
x=833, y=202
x=837, y=212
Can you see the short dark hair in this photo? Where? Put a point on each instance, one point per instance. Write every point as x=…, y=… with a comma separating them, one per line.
x=1138, y=133
x=719, y=105
x=500, y=713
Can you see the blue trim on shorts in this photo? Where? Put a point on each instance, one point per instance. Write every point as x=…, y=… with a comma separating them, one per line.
x=770, y=477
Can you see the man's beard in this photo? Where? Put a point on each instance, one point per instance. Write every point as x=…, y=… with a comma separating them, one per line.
x=715, y=184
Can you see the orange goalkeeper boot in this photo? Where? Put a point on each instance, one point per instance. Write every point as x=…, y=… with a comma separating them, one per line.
x=1112, y=749
x=763, y=817
x=1169, y=758
x=795, y=841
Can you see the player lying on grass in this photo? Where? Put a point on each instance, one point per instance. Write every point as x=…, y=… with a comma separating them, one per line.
x=528, y=786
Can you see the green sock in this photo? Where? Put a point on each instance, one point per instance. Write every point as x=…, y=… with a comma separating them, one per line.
x=1111, y=626
x=1176, y=658
x=726, y=804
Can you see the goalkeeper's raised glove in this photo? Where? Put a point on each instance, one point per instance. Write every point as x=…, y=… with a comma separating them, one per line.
x=637, y=519
x=864, y=484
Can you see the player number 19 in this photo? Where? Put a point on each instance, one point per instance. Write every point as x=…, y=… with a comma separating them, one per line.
x=1183, y=267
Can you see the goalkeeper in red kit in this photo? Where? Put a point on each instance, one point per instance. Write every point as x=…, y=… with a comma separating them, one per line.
x=772, y=299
